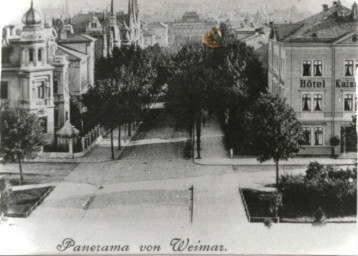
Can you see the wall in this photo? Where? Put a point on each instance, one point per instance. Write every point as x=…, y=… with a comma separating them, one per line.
x=74, y=77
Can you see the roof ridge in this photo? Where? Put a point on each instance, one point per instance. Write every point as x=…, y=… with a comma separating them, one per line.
x=72, y=50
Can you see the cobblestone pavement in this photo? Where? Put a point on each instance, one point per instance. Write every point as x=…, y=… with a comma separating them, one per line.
x=147, y=198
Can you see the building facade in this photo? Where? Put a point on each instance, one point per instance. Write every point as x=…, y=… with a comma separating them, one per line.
x=313, y=66
x=42, y=66
x=27, y=73
x=161, y=33
x=111, y=29
x=190, y=27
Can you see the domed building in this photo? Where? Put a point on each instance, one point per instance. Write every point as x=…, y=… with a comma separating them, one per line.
x=33, y=76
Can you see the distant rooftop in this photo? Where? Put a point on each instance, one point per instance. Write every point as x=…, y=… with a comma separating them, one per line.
x=327, y=26
x=71, y=38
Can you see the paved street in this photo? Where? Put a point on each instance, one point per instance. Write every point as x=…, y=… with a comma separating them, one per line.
x=145, y=198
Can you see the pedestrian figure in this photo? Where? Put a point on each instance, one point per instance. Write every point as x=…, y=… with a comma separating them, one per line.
x=319, y=217
x=203, y=120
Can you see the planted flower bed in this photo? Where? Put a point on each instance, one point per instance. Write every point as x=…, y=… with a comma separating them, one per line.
x=23, y=202
x=323, y=194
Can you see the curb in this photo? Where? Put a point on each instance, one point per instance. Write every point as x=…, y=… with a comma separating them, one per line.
x=267, y=164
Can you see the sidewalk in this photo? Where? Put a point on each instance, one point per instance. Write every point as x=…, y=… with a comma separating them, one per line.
x=214, y=152
x=101, y=152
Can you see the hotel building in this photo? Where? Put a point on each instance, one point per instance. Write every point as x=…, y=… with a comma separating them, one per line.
x=313, y=66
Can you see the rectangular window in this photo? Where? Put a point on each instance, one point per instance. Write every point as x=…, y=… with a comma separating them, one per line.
x=348, y=67
x=282, y=67
x=317, y=68
x=41, y=91
x=25, y=89
x=356, y=67
x=39, y=53
x=306, y=136
x=31, y=55
x=6, y=52
x=306, y=102
x=55, y=86
x=348, y=102
x=56, y=117
x=318, y=136
x=307, y=67
x=4, y=90
x=317, y=102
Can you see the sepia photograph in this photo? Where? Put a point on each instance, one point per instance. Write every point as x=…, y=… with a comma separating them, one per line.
x=167, y=127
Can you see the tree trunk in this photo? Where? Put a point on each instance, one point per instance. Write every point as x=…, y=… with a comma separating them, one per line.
x=129, y=129
x=20, y=168
x=112, y=148
x=277, y=173
x=119, y=136
x=198, y=135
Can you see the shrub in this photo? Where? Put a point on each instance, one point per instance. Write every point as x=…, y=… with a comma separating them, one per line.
x=334, y=141
x=315, y=170
x=335, y=191
x=343, y=174
x=4, y=198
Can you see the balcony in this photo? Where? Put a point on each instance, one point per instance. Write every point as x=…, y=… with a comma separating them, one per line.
x=40, y=103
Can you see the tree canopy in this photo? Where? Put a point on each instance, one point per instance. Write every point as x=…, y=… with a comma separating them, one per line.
x=276, y=133
x=22, y=136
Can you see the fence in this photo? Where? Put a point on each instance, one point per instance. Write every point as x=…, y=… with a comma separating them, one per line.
x=77, y=147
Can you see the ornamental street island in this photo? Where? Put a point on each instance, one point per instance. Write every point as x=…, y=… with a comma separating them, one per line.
x=178, y=126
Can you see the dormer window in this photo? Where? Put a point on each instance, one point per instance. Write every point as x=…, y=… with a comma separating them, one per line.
x=94, y=25
x=31, y=55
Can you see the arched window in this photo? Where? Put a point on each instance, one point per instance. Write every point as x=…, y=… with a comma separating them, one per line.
x=306, y=102
x=317, y=102
x=318, y=136
x=306, y=136
x=348, y=102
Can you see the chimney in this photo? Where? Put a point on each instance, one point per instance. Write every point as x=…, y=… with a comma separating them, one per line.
x=325, y=7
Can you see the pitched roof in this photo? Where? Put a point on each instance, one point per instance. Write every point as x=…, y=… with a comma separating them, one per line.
x=75, y=38
x=326, y=26
x=72, y=54
x=147, y=33
x=67, y=131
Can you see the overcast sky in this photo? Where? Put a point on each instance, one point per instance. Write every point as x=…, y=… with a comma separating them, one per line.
x=13, y=9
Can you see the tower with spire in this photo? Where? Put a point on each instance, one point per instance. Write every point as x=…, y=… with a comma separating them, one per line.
x=134, y=22
x=113, y=34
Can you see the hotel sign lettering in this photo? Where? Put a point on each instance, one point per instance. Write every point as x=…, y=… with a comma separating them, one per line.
x=345, y=84
x=322, y=84
x=312, y=84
